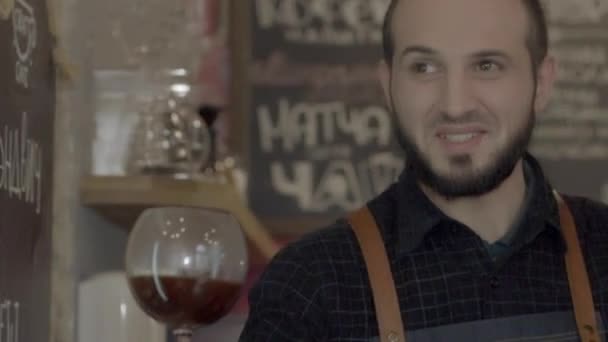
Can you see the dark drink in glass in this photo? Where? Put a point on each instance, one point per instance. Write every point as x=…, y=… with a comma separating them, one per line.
x=184, y=301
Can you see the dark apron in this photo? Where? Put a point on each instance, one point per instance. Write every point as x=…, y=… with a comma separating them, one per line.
x=557, y=327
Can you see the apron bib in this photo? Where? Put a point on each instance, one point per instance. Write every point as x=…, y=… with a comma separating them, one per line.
x=390, y=320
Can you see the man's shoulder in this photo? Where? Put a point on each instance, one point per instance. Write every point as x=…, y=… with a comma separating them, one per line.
x=322, y=245
x=335, y=243
x=589, y=214
x=313, y=261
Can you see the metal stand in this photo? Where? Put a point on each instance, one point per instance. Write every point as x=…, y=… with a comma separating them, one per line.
x=183, y=335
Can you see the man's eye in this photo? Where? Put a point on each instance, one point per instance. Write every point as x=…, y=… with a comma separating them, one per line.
x=423, y=68
x=488, y=66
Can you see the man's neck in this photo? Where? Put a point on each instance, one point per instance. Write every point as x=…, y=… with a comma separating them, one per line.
x=491, y=215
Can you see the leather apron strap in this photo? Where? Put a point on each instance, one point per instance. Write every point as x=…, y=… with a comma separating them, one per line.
x=386, y=302
x=381, y=279
x=580, y=289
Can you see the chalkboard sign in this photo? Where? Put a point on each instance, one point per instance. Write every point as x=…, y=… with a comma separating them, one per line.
x=26, y=137
x=320, y=135
x=571, y=137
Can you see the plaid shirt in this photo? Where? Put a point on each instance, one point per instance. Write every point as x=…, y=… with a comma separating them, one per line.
x=317, y=288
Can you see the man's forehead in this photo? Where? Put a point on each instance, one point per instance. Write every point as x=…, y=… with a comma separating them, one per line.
x=459, y=19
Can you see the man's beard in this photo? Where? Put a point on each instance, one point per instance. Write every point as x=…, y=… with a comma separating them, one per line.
x=478, y=182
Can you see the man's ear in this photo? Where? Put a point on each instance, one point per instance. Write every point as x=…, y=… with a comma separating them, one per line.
x=384, y=75
x=545, y=75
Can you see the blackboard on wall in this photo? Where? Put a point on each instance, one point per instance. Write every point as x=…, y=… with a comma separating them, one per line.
x=27, y=107
x=320, y=136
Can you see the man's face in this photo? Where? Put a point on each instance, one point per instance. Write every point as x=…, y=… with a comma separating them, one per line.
x=463, y=91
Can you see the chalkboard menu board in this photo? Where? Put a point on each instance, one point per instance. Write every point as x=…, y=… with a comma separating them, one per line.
x=320, y=136
x=320, y=140
x=571, y=137
x=26, y=136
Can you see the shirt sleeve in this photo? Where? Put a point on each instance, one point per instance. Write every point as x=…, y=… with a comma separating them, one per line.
x=284, y=305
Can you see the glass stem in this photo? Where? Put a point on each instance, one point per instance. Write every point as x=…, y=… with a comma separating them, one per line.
x=182, y=335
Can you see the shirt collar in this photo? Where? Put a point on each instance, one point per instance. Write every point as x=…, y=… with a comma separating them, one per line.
x=417, y=215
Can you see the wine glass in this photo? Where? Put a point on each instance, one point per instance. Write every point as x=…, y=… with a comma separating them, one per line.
x=186, y=265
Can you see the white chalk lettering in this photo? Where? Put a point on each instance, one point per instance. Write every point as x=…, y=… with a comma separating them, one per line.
x=311, y=125
x=339, y=187
x=384, y=168
x=342, y=22
x=576, y=12
x=21, y=165
x=343, y=184
x=581, y=53
x=9, y=321
x=576, y=96
x=24, y=40
x=583, y=74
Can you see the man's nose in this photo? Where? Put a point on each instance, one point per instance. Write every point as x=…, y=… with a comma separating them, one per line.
x=457, y=97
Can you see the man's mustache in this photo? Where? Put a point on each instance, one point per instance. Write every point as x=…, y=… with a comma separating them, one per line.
x=472, y=117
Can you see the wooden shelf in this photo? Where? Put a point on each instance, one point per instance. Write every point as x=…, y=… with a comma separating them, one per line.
x=122, y=199
x=294, y=226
